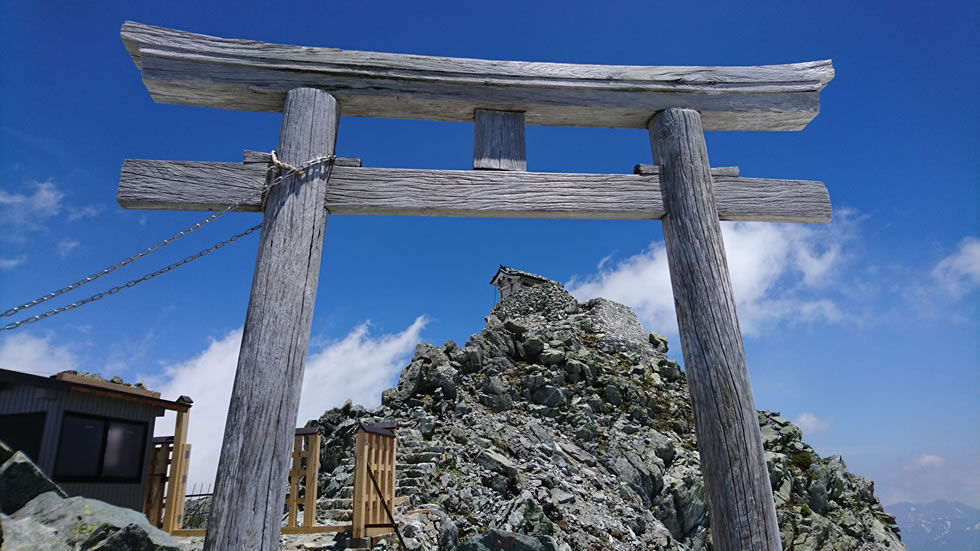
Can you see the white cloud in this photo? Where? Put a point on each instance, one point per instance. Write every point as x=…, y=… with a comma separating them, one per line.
x=11, y=263
x=66, y=246
x=777, y=271
x=329, y=379
x=77, y=213
x=37, y=355
x=925, y=460
x=959, y=273
x=811, y=424
x=43, y=200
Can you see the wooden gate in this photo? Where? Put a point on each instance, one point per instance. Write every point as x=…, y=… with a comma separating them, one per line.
x=306, y=466
x=155, y=505
x=374, y=480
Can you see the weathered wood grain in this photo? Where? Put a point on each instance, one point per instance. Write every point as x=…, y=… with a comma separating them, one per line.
x=499, y=142
x=656, y=169
x=246, y=511
x=192, y=69
x=740, y=502
x=188, y=185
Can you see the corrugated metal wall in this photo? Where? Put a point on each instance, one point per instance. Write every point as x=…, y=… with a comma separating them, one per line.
x=27, y=399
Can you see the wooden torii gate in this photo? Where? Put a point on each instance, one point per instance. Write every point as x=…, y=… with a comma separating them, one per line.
x=312, y=86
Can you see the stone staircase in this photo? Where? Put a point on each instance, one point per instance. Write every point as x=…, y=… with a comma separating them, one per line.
x=416, y=462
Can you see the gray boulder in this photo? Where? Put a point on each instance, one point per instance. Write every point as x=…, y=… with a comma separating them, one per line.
x=448, y=534
x=499, y=540
x=28, y=535
x=92, y=524
x=21, y=481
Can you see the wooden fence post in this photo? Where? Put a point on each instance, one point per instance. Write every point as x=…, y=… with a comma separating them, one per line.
x=740, y=502
x=173, y=511
x=258, y=441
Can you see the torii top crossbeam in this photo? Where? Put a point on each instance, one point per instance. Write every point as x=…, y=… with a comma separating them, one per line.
x=193, y=69
x=313, y=86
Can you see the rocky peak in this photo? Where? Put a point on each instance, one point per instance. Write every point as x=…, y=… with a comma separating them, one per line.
x=565, y=426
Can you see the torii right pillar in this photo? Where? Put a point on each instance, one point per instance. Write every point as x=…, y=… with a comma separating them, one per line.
x=740, y=501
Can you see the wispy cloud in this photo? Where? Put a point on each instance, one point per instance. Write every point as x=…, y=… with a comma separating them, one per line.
x=959, y=273
x=77, y=213
x=34, y=206
x=777, y=270
x=66, y=246
x=38, y=355
x=926, y=460
x=927, y=477
x=207, y=378
x=29, y=210
x=11, y=263
x=811, y=424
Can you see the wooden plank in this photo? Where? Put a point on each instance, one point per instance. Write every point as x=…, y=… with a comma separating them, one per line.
x=499, y=142
x=743, y=514
x=186, y=185
x=316, y=529
x=647, y=170
x=193, y=69
x=312, y=477
x=174, y=507
x=156, y=482
x=360, y=489
x=196, y=533
x=295, y=472
x=78, y=379
x=266, y=392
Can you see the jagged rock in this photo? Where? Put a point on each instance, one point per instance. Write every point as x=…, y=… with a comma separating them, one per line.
x=92, y=524
x=570, y=423
x=21, y=481
x=5, y=453
x=448, y=533
x=658, y=341
x=28, y=535
x=498, y=540
x=497, y=463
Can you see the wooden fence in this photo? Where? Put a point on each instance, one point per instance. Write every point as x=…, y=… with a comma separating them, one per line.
x=155, y=502
x=374, y=480
x=306, y=468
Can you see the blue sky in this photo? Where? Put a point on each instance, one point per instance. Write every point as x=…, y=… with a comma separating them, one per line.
x=866, y=331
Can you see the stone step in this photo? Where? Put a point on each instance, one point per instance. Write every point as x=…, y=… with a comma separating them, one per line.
x=358, y=543
x=415, y=472
x=333, y=514
x=424, y=457
x=335, y=503
x=416, y=482
x=407, y=491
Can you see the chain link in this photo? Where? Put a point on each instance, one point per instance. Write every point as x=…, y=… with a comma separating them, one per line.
x=284, y=170
x=131, y=283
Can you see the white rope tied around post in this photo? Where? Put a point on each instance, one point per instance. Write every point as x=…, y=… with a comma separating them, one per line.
x=284, y=170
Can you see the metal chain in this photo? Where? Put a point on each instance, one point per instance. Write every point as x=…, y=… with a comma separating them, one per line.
x=131, y=283
x=284, y=170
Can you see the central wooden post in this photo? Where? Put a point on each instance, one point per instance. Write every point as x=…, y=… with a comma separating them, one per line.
x=255, y=455
x=740, y=502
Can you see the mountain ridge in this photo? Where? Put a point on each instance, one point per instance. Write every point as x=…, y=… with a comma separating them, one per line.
x=565, y=426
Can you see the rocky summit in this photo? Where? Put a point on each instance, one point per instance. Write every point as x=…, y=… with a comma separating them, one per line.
x=565, y=426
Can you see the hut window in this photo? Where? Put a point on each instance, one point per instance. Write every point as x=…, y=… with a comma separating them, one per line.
x=97, y=448
x=23, y=431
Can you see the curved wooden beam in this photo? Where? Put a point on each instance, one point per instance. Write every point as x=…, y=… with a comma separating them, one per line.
x=194, y=69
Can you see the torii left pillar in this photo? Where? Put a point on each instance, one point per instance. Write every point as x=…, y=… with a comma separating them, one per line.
x=250, y=485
